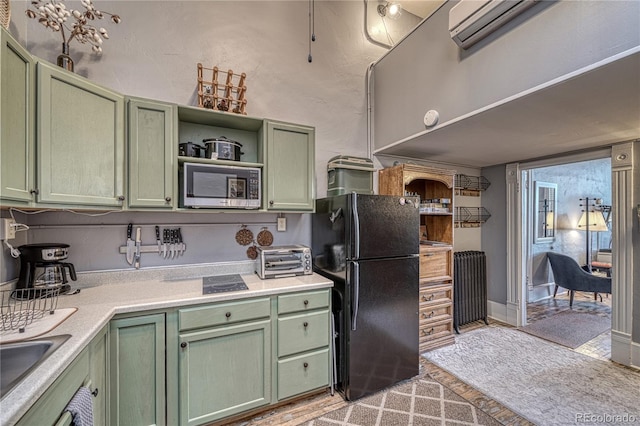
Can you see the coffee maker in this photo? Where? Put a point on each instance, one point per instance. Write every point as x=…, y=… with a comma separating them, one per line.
x=41, y=269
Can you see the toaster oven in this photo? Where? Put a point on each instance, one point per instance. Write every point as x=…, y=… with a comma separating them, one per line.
x=283, y=261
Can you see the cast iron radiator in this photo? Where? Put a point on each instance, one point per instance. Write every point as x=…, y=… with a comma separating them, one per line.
x=469, y=288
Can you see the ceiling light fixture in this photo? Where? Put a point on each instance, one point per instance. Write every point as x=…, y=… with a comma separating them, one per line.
x=389, y=9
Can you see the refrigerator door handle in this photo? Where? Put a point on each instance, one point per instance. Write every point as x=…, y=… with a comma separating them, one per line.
x=356, y=295
x=356, y=225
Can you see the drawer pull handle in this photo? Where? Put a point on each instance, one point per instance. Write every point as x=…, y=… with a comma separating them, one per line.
x=428, y=333
x=305, y=324
x=228, y=315
x=183, y=345
x=428, y=254
x=305, y=365
x=306, y=302
x=428, y=316
x=428, y=299
x=95, y=392
x=167, y=199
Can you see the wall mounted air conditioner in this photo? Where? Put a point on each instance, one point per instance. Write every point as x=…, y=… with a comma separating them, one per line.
x=472, y=20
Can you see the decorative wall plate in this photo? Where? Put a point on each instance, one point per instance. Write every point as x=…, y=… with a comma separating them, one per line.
x=244, y=236
x=252, y=252
x=265, y=237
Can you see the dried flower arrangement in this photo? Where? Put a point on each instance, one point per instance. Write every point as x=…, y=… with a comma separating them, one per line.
x=53, y=14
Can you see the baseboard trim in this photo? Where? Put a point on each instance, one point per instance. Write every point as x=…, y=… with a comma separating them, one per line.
x=635, y=355
x=497, y=311
x=621, y=348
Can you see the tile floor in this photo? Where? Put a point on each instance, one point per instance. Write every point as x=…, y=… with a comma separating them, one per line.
x=302, y=411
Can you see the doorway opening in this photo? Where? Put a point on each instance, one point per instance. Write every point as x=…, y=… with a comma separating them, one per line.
x=556, y=198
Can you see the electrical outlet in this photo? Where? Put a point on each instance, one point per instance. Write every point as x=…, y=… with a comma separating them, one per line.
x=8, y=229
x=282, y=224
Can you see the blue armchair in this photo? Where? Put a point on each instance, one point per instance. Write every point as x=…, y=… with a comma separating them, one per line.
x=568, y=274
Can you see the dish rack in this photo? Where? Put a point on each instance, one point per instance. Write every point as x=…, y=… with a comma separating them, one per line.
x=19, y=308
x=222, y=93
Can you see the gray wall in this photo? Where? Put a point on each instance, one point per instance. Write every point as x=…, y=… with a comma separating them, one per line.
x=545, y=42
x=494, y=233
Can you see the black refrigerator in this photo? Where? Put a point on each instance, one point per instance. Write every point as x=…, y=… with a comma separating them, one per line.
x=368, y=245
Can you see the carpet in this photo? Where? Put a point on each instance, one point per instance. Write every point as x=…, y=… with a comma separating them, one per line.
x=418, y=402
x=545, y=383
x=569, y=328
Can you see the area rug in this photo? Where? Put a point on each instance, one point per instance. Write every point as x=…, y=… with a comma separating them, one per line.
x=545, y=383
x=569, y=328
x=417, y=402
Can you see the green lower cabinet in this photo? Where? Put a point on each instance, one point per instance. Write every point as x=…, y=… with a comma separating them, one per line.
x=50, y=407
x=88, y=369
x=224, y=371
x=137, y=370
x=303, y=373
x=98, y=358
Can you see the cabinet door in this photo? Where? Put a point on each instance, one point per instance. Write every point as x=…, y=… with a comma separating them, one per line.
x=137, y=371
x=49, y=408
x=80, y=140
x=17, y=126
x=290, y=167
x=98, y=355
x=151, y=154
x=224, y=371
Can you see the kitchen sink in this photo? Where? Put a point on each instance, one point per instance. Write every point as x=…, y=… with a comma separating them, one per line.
x=20, y=358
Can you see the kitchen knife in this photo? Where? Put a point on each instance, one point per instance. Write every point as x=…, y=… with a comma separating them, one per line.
x=173, y=243
x=138, y=243
x=165, y=242
x=130, y=245
x=158, y=240
x=181, y=246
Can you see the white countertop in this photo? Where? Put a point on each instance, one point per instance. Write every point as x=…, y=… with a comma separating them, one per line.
x=97, y=305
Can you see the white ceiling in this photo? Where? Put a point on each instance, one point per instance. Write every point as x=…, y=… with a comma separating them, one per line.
x=594, y=109
x=419, y=7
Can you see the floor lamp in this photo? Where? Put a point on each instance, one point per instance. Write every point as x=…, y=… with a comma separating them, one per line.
x=590, y=220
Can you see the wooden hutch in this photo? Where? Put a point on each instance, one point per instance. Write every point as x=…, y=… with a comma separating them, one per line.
x=432, y=186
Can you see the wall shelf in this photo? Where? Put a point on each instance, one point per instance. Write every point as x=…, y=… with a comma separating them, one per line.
x=470, y=185
x=470, y=217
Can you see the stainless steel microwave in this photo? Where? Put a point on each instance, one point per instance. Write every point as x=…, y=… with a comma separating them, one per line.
x=220, y=186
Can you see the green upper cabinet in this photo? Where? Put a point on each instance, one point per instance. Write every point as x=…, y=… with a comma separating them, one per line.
x=80, y=140
x=152, y=154
x=17, y=125
x=290, y=166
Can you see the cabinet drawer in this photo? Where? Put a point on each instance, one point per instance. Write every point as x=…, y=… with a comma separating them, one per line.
x=224, y=313
x=436, y=330
x=303, y=332
x=436, y=296
x=436, y=313
x=303, y=373
x=434, y=263
x=308, y=301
